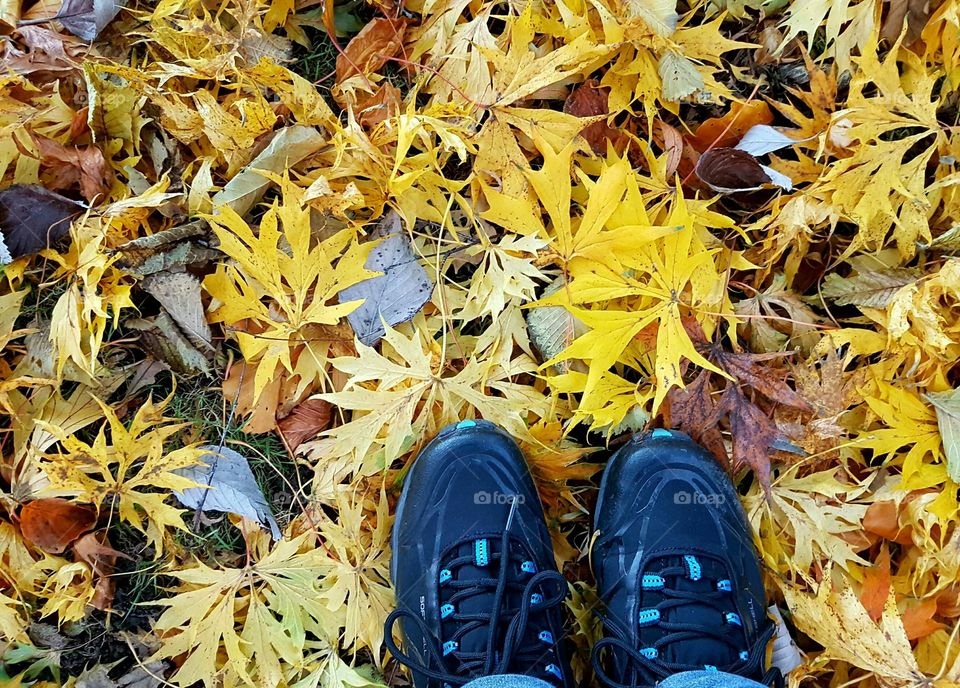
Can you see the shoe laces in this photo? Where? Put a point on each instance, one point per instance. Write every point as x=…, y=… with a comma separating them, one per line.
x=510, y=646
x=647, y=666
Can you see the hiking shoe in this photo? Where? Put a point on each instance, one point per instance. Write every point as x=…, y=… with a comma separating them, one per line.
x=675, y=566
x=478, y=591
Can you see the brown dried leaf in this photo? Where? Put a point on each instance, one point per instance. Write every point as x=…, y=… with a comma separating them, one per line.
x=94, y=549
x=769, y=381
x=753, y=432
x=305, y=422
x=589, y=99
x=693, y=410
x=73, y=165
x=729, y=169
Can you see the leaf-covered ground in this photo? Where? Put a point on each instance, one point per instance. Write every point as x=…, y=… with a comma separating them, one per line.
x=306, y=236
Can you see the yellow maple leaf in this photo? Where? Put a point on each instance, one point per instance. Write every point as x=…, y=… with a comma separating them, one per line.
x=128, y=471
x=670, y=278
x=836, y=619
x=282, y=284
x=356, y=590
x=407, y=392
x=241, y=623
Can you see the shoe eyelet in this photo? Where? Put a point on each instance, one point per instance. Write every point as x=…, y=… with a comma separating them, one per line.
x=649, y=616
x=710, y=667
x=546, y=637
x=447, y=610
x=725, y=585
x=481, y=552
x=450, y=646
x=651, y=581
x=733, y=618
x=528, y=567
x=536, y=598
x=649, y=652
x=445, y=575
x=554, y=670
x=693, y=567
x=744, y=655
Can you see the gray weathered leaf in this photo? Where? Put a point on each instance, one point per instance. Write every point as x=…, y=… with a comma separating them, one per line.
x=165, y=341
x=288, y=147
x=232, y=488
x=87, y=18
x=179, y=294
x=395, y=296
x=947, y=405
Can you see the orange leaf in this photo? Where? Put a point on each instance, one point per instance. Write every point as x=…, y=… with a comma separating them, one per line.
x=882, y=518
x=740, y=118
x=918, y=621
x=370, y=49
x=876, y=585
x=52, y=524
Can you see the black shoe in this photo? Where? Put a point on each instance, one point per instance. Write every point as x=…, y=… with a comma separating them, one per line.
x=478, y=592
x=675, y=566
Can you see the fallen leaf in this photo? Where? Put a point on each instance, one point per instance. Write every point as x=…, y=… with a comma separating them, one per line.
x=287, y=147
x=306, y=421
x=589, y=99
x=918, y=621
x=728, y=170
x=396, y=295
x=692, y=410
x=179, y=294
x=761, y=139
x=53, y=524
x=33, y=218
x=87, y=18
x=94, y=549
x=369, y=50
x=754, y=433
x=876, y=584
x=679, y=76
x=725, y=131
x=947, y=405
x=73, y=165
x=231, y=487
x=166, y=342
x=836, y=619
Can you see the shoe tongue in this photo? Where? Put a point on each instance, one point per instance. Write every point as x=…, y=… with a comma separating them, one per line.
x=475, y=640
x=700, y=651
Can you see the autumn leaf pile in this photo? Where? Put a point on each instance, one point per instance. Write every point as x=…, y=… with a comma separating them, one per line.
x=737, y=218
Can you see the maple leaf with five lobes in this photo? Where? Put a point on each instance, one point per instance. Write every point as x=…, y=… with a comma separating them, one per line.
x=280, y=281
x=671, y=276
x=236, y=623
x=130, y=471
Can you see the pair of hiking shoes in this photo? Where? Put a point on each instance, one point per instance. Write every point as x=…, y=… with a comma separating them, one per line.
x=479, y=594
